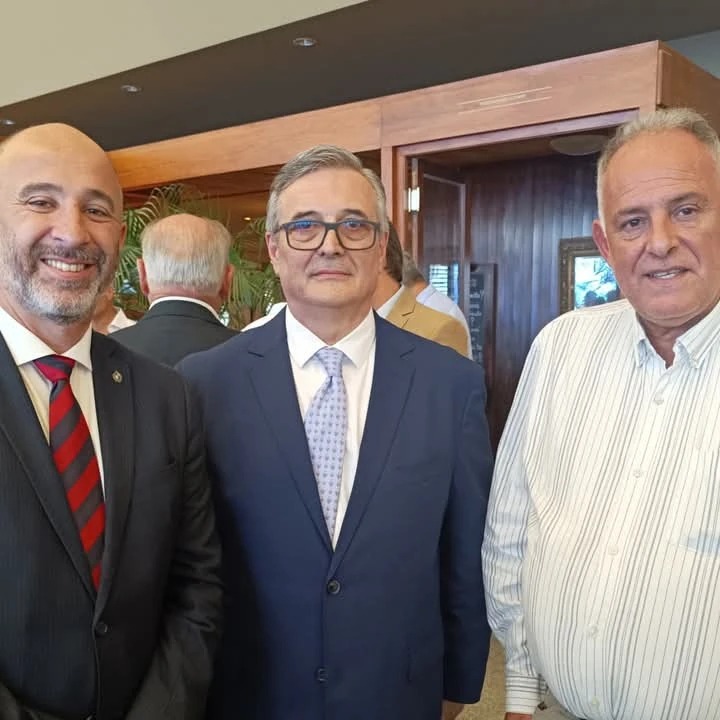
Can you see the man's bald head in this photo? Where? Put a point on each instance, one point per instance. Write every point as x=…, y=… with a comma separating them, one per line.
x=66, y=144
x=61, y=228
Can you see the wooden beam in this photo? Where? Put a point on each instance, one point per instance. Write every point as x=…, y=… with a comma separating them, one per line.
x=683, y=84
x=355, y=126
x=612, y=81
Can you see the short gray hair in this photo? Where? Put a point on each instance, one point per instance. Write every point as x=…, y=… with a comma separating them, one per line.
x=658, y=121
x=322, y=157
x=186, y=251
x=411, y=272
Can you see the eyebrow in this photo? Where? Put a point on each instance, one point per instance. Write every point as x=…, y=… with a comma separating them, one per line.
x=343, y=213
x=53, y=189
x=677, y=200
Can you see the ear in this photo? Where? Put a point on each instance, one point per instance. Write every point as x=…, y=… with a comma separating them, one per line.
x=601, y=240
x=227, y=282
x=382, y=244
x=123, y=236
x=272, y=247
x=142, y=276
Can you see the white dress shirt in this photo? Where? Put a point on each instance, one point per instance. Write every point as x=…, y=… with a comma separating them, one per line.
x=309, y=375
x=602, y=544
x=181, y=298
x=25, y=348
x=432, y=298
x=120, y=321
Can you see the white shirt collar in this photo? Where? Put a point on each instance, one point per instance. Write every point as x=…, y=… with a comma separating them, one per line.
x=26, y=347
x=120, y=321
x=385, y=309
x=356, y=345
x=186, y=299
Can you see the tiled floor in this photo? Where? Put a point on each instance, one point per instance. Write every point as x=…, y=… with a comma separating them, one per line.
x=492, y=701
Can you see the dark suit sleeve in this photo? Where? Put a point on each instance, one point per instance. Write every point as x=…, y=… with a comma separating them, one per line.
x=10, y=708
x=176, y=685
x=467, y=634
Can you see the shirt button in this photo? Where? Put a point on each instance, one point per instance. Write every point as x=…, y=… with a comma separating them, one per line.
x=593, y=631
x=595, y=702
x=333, y=587
x=658, y=400
x=637, y=473
x=321, y=675
x=613, y=550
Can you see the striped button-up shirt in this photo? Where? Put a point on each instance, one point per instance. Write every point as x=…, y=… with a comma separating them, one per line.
x=602, y=548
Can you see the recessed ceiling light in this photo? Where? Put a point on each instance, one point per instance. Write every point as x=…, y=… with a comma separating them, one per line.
x=304, y=42
x=577, y=145
x=131, y=89
x=7, y=122
x=247, y=219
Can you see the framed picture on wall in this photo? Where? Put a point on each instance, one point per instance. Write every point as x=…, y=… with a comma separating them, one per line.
x=585, y=278
x=480, y=313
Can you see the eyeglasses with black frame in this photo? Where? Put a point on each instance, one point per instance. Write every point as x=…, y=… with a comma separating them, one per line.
x=310, y=234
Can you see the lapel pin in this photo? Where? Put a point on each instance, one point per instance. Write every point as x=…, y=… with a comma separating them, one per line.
x=117, y=376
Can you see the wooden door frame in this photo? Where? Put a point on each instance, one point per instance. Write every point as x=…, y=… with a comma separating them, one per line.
x=396, y=160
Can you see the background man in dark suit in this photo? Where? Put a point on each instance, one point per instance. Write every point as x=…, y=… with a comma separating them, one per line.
x=110, y=597
x=352, y=468
x=186, y=274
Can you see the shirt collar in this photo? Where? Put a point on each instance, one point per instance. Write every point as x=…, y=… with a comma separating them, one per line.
x=385, y=309
x=186, y=299
x=26, y=347
x=356, y=345
x=694, y=344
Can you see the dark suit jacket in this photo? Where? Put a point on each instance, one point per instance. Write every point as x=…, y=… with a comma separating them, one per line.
x=143, y=647
x=173, y=329
x=394, y=619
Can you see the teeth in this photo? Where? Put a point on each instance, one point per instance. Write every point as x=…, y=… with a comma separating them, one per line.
x=65, y=267
x=667, y=274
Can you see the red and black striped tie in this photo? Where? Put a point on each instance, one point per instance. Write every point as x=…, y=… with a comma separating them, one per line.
x=75, y=459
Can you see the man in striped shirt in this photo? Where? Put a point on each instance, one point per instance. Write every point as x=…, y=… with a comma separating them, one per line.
x=602, y=546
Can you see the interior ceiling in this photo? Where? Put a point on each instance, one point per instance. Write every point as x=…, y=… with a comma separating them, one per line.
x=366, y=50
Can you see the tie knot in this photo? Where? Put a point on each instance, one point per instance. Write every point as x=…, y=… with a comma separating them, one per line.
x=55, y=367
x=332, y=359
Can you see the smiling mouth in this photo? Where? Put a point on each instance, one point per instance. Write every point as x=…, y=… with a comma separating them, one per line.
x=64, y=266
x=666, y=274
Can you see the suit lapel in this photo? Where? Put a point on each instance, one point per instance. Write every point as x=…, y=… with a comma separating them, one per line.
x=403, y=309
x=114, y=405
x=272, y=378
x=392, y=378
x=19, y=423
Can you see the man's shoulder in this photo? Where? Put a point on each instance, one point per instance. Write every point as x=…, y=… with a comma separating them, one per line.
x=584, y=323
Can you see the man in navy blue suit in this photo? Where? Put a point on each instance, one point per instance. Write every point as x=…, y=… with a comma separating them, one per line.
x=352, y=468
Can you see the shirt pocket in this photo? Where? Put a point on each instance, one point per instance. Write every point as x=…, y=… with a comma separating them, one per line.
x=696, y=509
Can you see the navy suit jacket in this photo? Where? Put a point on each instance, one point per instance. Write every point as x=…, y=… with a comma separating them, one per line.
x=394, y=619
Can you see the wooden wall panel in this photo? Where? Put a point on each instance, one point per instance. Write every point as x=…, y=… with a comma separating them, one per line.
x=681, y=83
x=519, y=211
x=588, y=85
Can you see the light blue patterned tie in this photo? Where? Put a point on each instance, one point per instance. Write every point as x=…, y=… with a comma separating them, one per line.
x=326, y=430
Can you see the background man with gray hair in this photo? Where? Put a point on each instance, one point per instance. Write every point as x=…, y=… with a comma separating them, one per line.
x=352, y=466
x=602, y=547
x=186, y=275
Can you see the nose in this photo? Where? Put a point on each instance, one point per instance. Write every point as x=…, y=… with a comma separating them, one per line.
x=70, y=225
x=662, y=238
x=331, y=244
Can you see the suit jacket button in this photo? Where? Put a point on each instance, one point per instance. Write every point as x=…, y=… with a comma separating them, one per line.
x=333, y=587
x=321, y=675
x=101, y=629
